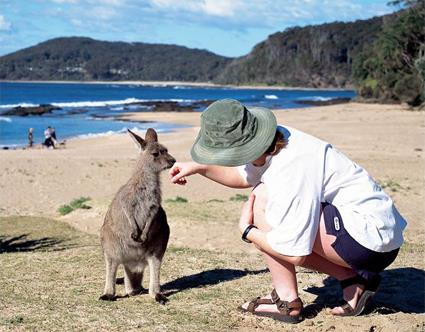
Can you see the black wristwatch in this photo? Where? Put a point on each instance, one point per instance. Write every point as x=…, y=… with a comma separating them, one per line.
x=245, y=233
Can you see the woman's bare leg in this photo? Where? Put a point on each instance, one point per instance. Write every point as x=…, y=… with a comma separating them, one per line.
x=283, y=273
x=323, y=259
x=323, y=247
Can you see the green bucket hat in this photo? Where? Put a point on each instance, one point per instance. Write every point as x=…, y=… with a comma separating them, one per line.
x=232, y=135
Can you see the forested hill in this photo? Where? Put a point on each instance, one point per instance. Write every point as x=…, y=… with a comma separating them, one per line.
x=312, y=56
x=77, y=58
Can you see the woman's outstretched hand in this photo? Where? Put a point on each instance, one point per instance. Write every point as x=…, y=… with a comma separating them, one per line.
x=180, y=171
x=247, y=214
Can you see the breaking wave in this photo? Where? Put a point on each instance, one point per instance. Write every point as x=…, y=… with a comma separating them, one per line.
x=99, y=103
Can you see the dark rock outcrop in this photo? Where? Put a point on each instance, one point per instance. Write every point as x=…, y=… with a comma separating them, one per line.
x=32, y=110
x=173, y=106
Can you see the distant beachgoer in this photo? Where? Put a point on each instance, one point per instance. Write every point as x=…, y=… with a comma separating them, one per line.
x=311, y=206
x=53, y=133
x=49, y=142
x=30, y=137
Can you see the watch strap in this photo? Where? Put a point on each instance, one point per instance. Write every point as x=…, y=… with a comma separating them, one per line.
x=245, y=233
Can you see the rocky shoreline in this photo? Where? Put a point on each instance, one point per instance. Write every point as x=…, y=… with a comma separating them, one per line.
x=31, y=110
x=150, y=106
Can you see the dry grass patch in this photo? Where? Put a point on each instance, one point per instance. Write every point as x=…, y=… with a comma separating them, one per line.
x=52, y=277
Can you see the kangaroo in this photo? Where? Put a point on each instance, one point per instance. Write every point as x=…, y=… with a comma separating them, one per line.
x=135, y=231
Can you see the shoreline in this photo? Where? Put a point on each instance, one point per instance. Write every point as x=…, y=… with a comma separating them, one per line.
x=182, y=83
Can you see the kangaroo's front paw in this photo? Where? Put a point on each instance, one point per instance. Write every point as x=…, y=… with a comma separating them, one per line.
x=108, y=297
x=161, y=299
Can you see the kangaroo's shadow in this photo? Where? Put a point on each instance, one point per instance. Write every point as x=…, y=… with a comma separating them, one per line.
x=205, y=278
x=23, y=243
x=401, y=290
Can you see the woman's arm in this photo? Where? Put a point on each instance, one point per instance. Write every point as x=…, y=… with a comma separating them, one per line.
x=228, y=176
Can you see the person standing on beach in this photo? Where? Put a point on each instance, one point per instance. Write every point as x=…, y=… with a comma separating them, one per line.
x=30, y=137
x=49, y=142
x=311, y=206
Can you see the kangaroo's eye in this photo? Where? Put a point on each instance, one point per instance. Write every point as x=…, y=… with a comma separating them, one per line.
x=155, y=154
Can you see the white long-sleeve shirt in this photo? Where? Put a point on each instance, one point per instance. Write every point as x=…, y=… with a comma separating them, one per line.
x=308, y=172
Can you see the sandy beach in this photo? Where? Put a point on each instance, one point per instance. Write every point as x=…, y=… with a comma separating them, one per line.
x=387, y=140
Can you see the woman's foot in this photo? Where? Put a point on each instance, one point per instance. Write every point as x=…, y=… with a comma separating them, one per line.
x=272, y=306
x=351, y=296
x=357, y=293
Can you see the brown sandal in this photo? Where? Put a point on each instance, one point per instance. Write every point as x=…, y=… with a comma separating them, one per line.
x=284, y=307
x=370, y=289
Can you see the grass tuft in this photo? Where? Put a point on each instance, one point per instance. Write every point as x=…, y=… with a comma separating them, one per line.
x=391, y=185
x=215, y=200
x=75, y=204
x=177, y=199
x=239, y=198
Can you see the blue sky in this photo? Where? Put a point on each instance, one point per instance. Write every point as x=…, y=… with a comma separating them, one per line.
x=226, y=27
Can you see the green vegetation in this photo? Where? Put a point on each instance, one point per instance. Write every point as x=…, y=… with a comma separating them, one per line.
x=177, y=199
x=393, y=68
x=77, y=203
x=311, y=56
x=78, y=58
x=215, y=200
x=393, y=186
x=239, y=198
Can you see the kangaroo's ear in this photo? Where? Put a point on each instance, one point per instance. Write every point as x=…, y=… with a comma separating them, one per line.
x=151, y=135
x=140, y=142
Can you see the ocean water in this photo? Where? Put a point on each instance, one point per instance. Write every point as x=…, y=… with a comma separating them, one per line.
x=103, y=102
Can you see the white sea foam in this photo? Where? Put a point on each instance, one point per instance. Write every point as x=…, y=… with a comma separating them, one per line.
x=317, y=98
x=271, y=97
x=99, y=103
x=181, y=87
x=112, y=132
x=16, y=105
x=105, y=103
x=103, y=134
x=5, y=119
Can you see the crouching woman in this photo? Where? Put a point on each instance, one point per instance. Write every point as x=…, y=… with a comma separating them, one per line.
x=311, y=206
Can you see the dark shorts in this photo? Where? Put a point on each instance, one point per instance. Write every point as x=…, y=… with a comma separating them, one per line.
x=367, y=263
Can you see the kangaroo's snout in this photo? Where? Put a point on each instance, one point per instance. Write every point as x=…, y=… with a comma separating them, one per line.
x=171, y=162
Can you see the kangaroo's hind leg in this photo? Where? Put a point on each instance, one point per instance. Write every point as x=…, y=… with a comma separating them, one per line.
x=154, y=286
x=133, y=279
x=111, y=272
